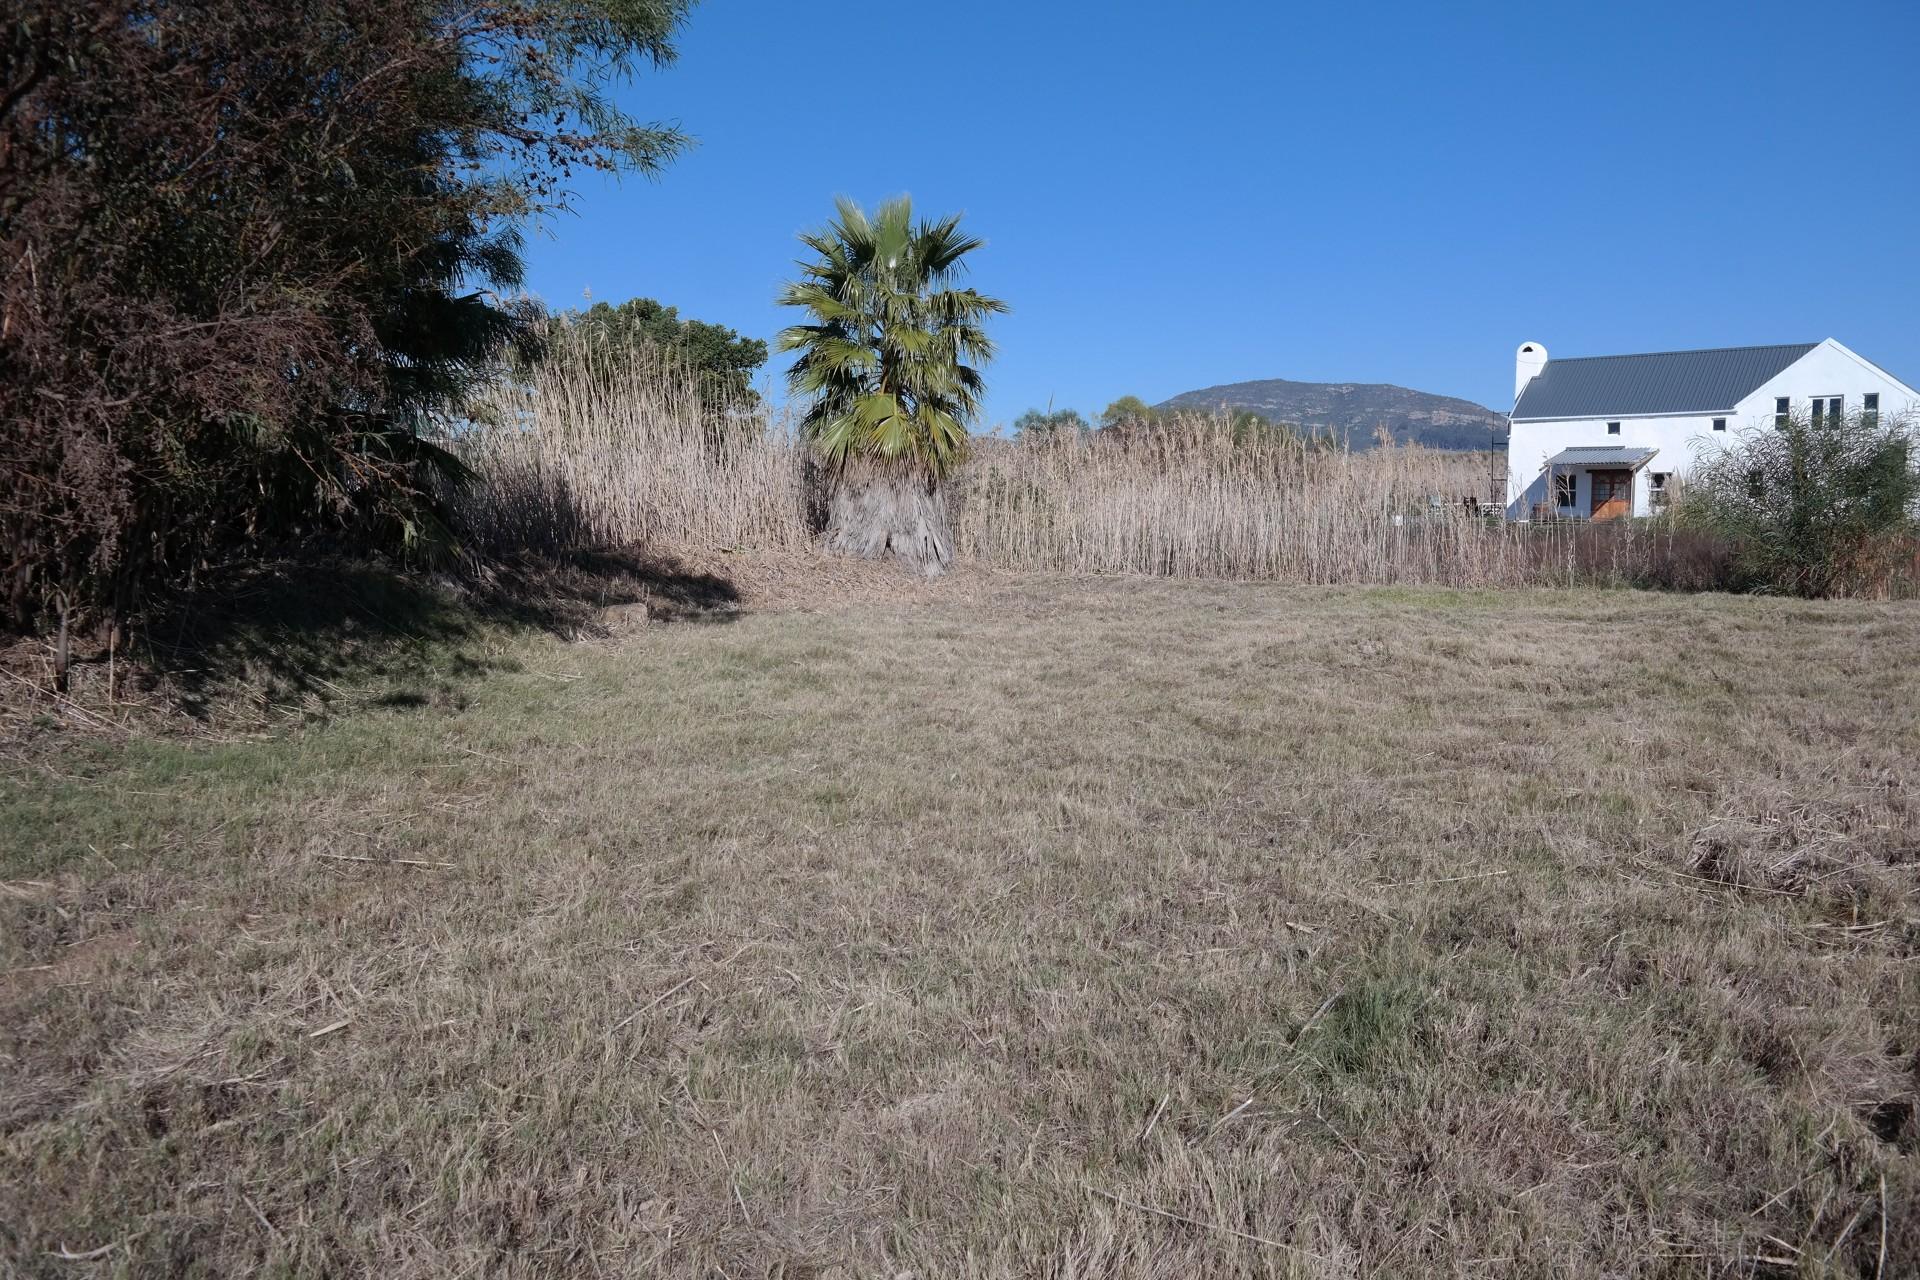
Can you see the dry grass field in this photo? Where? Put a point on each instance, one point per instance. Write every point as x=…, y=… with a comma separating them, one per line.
x=1029, y=926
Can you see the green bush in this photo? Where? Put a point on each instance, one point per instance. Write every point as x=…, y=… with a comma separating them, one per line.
x=1811, y=506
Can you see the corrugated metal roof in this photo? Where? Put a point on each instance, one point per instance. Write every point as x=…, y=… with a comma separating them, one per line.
x=1657, y=382
x=1601, y=455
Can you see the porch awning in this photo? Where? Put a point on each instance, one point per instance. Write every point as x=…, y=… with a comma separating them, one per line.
x=1610, y=456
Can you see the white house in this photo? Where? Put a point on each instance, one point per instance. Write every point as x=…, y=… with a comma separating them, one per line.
x=1600, y=437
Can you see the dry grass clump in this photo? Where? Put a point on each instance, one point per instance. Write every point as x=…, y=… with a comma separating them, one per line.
x=1089, y=928
x=1854, y=843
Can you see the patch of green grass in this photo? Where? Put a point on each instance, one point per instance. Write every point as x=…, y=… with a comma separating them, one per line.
x=1374, y=1028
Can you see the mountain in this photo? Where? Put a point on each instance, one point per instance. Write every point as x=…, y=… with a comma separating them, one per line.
x=1354, y=411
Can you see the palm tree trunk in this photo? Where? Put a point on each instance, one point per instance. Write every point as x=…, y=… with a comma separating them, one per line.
x=881, y=511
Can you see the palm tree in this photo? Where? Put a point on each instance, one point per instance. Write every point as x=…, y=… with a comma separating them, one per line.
x=889, y=370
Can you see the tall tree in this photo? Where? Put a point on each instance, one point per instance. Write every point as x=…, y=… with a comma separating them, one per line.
x=889, y=368
x=1050, y=424
x=1127, y=413
x=616, y=336
x=248, y=250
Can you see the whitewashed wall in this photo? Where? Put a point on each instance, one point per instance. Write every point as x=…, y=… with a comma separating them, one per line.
x=1830, y=369
x=1827, y=370
x=1530, y=444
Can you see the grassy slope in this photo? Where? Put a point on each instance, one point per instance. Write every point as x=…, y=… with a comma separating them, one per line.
x=877, y=940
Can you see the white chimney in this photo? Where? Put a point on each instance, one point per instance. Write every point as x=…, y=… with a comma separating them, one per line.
x=1528, y=361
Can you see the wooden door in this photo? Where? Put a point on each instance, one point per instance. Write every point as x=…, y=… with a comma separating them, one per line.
x=1612, y=494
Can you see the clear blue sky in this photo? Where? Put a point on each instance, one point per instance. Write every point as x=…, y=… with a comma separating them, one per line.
x=1175, y=196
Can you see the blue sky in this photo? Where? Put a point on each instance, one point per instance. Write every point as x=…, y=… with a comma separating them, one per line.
x=1176, y=196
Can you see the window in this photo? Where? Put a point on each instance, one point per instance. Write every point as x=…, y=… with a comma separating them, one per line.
x=1657, y=488
x=1719, y=424
x=1870, y=408
x=1613, y=428
x=1827, y=407
x=1565, y=490
x=1780, y=408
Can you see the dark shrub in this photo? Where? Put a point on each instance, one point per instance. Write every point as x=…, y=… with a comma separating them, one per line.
x=243, y=255
x=1657, y=554
x=1812, y=507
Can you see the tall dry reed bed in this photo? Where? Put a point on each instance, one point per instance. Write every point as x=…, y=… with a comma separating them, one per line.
x=1195, y=500
x=588, y=453
x=1190, y=500
x=578, y=455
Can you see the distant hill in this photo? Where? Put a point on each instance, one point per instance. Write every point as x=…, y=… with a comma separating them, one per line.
x=1354, y=411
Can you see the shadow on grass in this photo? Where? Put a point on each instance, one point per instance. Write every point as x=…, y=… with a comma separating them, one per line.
x=305, y=634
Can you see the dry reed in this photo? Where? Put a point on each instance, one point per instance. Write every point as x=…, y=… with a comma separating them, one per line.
x=1188, y=499
x=583, y=454
x=575, y=456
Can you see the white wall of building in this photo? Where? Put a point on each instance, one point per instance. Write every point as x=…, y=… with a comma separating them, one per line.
x=1827, y=370
x=1676, y=438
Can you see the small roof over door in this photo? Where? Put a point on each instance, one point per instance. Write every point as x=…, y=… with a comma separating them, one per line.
x=1609, y=456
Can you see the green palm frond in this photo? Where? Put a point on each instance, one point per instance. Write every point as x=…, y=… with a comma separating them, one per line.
x=819, y=300
x=889, y=358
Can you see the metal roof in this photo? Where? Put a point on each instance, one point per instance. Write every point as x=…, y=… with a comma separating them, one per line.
x=1602, y=455
x=1711, y=381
